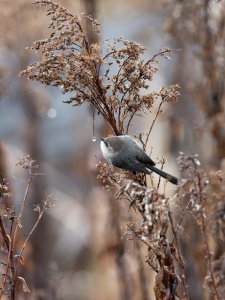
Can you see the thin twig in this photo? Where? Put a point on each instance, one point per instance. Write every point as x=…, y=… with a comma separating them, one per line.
x=131, y=118
x=181, y=263
x=32, y=230
x=203, y=230
x=161, y=53
x=182, y=217
x=21, y=209
x=163, y=162
x=153, y=122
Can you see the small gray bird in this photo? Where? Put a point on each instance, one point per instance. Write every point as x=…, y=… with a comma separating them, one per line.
x=126, y=153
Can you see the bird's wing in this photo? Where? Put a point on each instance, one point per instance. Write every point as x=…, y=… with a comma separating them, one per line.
x=131, y=164
x=143, y=158
x=132, y=158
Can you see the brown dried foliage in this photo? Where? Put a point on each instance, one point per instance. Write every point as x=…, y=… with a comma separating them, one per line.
x=112, y=77
x=200, y=28
x=198, y=197
x=11, y=224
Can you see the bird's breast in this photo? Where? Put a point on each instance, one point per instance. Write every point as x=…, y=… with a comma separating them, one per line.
x=105, y=152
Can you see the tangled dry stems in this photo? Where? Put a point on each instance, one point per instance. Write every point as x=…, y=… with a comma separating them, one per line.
x=11, y=224
x=114, y=78
x=195, y=198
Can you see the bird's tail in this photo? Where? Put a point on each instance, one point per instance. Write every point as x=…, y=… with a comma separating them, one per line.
x=165, y=175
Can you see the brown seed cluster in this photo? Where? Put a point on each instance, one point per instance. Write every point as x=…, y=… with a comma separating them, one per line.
x=27, y=163
x=113, y=76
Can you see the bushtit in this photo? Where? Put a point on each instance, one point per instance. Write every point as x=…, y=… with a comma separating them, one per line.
x=125, y=152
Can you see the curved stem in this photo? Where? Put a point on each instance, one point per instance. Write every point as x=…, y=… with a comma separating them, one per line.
x=153, y=122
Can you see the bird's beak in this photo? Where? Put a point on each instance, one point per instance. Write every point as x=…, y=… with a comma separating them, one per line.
x=102, y=140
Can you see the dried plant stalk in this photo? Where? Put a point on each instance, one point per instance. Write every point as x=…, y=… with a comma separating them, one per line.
x=112, y=76
x=11, y=276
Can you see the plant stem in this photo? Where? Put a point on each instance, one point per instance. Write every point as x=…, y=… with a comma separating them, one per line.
x=153, y=122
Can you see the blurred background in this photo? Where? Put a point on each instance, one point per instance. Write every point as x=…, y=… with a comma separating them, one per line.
x=72, y=255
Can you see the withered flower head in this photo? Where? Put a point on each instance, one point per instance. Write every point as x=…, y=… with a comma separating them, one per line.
x=113, y=76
